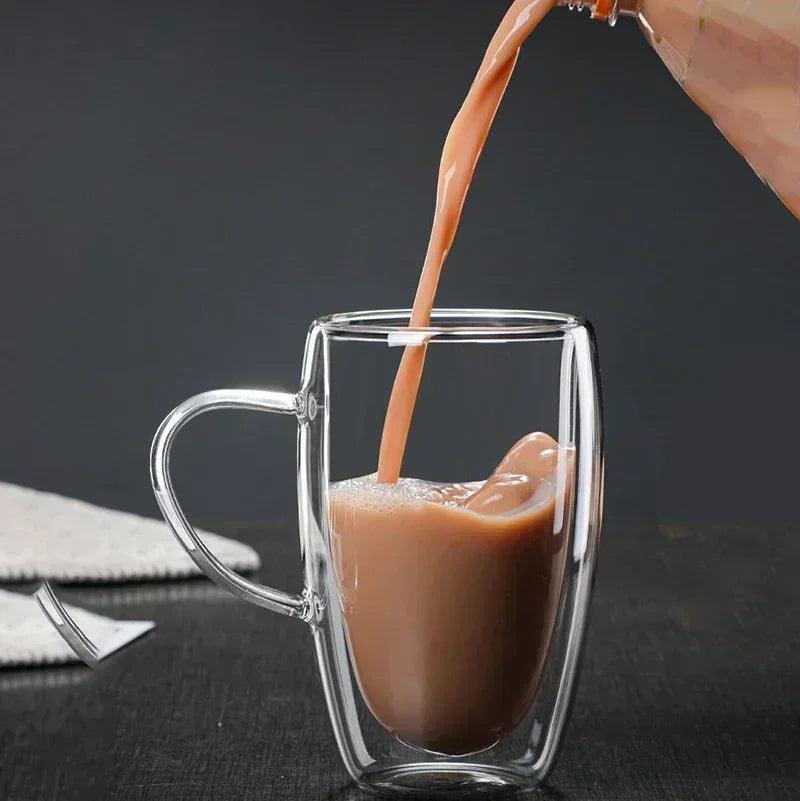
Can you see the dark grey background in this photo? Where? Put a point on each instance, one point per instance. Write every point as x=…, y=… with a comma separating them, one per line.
x=184, y=186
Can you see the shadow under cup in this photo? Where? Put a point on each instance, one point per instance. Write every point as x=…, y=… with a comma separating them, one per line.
x=447, y=638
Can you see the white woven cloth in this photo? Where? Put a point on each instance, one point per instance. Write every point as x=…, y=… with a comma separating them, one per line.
x=28, y=638
x=46, y=536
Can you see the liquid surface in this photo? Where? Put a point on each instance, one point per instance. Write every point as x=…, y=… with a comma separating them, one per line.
x=450, y=594
x=460, y=154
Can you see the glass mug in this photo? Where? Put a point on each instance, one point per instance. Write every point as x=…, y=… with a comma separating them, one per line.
x=448, y=663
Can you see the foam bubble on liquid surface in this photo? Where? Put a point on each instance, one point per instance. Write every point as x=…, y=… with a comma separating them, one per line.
x=366, y=492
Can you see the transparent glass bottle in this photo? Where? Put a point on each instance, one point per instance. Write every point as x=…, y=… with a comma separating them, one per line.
x=739, y=60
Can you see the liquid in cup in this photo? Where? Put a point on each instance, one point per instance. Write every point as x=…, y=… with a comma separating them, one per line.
x=450, y=593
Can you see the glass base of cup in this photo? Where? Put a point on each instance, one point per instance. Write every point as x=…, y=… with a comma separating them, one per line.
x=465, y=755
x=447, y=781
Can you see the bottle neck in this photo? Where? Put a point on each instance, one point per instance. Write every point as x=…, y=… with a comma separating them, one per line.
x=604, y=10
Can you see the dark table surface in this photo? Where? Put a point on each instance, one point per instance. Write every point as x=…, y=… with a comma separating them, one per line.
x=690, y=687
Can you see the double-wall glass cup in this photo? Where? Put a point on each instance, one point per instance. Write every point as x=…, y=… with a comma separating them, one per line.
x=448, y=639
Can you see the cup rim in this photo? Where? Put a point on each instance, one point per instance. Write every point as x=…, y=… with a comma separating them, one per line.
x=450, y=324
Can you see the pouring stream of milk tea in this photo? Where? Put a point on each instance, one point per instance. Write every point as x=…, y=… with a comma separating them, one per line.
x=460, y=154
x=739, y=61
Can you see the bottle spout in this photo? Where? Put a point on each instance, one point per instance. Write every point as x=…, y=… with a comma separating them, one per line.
x=604, y=10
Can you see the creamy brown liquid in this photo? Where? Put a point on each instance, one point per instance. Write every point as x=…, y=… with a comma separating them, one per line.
x=450, y=594
x=460, y=154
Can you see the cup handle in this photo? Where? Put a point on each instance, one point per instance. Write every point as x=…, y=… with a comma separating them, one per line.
x=255, y=400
